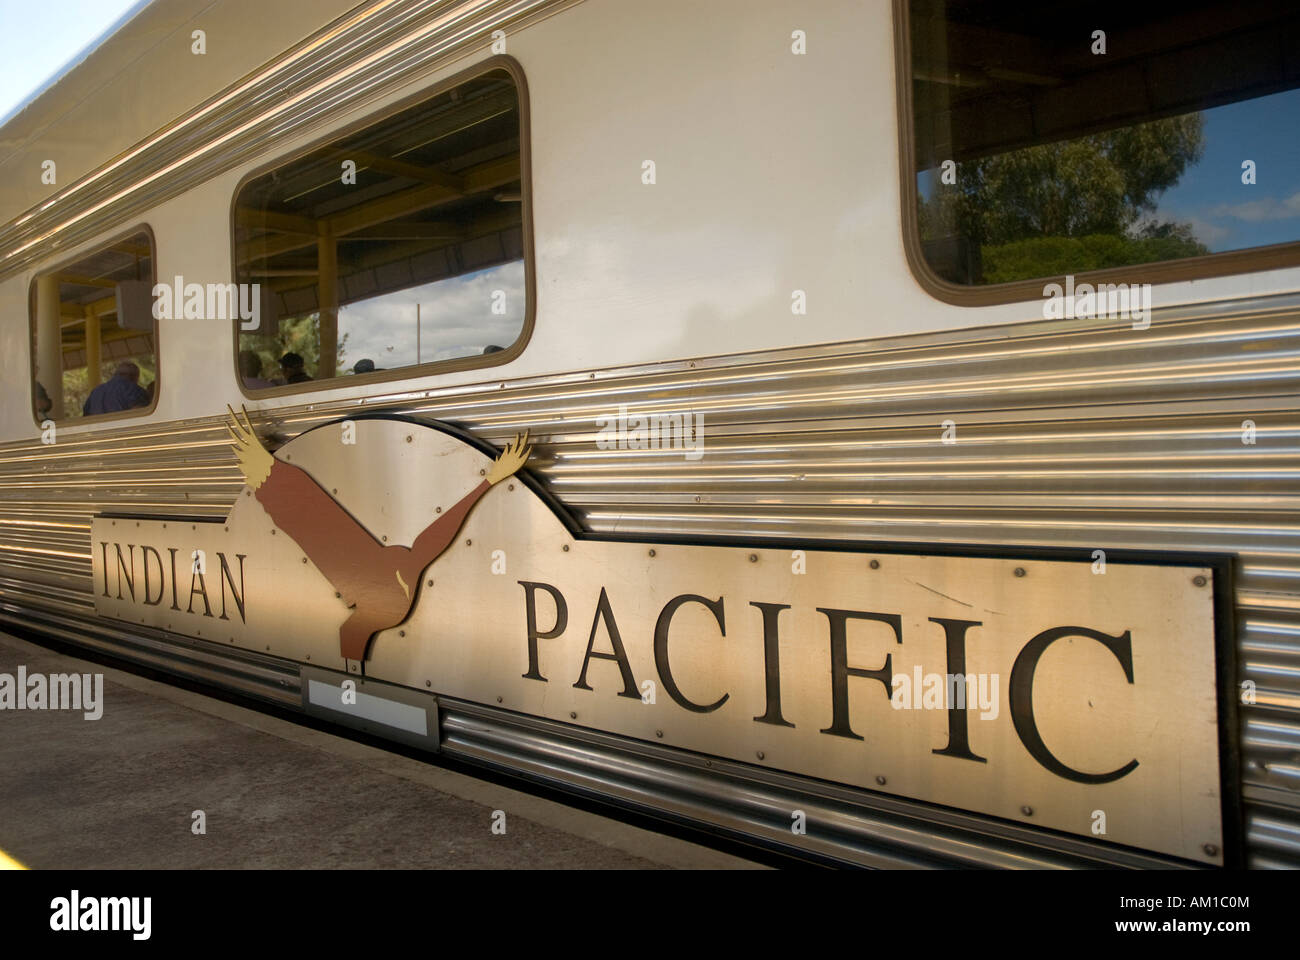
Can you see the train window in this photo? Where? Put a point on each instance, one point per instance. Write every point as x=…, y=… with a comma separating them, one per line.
x=94, y=336
x=1157, y=141
x=398, y=246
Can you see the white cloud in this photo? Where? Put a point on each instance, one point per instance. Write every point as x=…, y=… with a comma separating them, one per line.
x=456, y=319
x=1254, y=211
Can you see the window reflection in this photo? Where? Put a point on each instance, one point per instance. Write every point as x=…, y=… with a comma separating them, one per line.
x=400, y=245
x=1044, y=148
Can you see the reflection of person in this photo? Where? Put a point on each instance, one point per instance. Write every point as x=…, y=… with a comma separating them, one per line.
x=292, y=367
x=43, y=402
x=121, y=392
x=364, y=366
x=250, y=370
x=492, y=348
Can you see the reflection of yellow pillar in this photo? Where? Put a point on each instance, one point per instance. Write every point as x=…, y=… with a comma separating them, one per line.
x=49, y=342
x=327, y=260
x=93, y=376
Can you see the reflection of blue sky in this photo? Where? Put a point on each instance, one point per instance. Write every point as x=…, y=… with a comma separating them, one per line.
x=456, y=319
x=1224, y=213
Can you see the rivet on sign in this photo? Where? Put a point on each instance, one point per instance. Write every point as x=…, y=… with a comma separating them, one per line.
x=753, y=558
x=1020, y=571
x=566, y=548
x=510, y=486
x=428, y=683
x=308, y=655
x=137, y=523
x=408, y=438
x=482, y=473
x=1210, y=850
x=469, y=543
x=697, y=499
x=338, y=595
x=335, y=490
x=165, y=527
x=573, y=715
x=1199, y=581
x=659, y=733
x=875, y=564
x=1027, y=810
x=652, y=553
x=304, y=559
x=248, y=493
x=273, y=532
x=498, y=699
x=761, y=755
x=268, y=646
x=401, y=633
x=437, y=509
x=880, y=780
x=384, y=538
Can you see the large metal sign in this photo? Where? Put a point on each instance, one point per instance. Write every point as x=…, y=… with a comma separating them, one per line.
x=1076, y=696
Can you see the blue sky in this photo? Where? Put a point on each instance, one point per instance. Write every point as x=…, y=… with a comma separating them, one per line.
x=1225, y=213
x=37, y=39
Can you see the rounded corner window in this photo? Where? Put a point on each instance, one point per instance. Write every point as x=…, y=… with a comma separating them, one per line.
x=94, y=334
x=1036, y=150
x=398, y=248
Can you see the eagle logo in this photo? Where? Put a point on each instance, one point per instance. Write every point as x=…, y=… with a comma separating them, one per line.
x=379, y=582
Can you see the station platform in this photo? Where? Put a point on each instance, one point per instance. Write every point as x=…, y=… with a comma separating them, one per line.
x=122, y=792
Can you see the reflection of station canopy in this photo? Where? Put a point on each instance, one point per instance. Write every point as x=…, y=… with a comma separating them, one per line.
x=81, y=317
x=988, y=78
x=436, y=195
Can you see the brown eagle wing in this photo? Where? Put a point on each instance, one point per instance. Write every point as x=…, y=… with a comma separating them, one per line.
x=342, y=549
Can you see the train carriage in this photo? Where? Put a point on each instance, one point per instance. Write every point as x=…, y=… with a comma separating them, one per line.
x=864, y=430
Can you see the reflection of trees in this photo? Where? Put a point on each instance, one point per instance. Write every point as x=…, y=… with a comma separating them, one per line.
x=300, y=335
x=1072, y=205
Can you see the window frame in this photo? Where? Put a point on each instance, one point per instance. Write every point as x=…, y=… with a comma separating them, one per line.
x=1228, y=263
x=489, y=65
x=32, y=332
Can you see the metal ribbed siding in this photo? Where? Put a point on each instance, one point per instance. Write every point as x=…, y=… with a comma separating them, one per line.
x=1069, y=434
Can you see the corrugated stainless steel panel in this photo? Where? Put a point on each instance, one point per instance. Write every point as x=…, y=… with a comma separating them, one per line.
x=1067, y=435
x=362, y=56
x=265, y=678
x=753, y=803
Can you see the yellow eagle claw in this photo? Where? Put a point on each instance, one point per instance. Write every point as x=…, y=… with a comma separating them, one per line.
x=255, y=462
x=514, y=456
